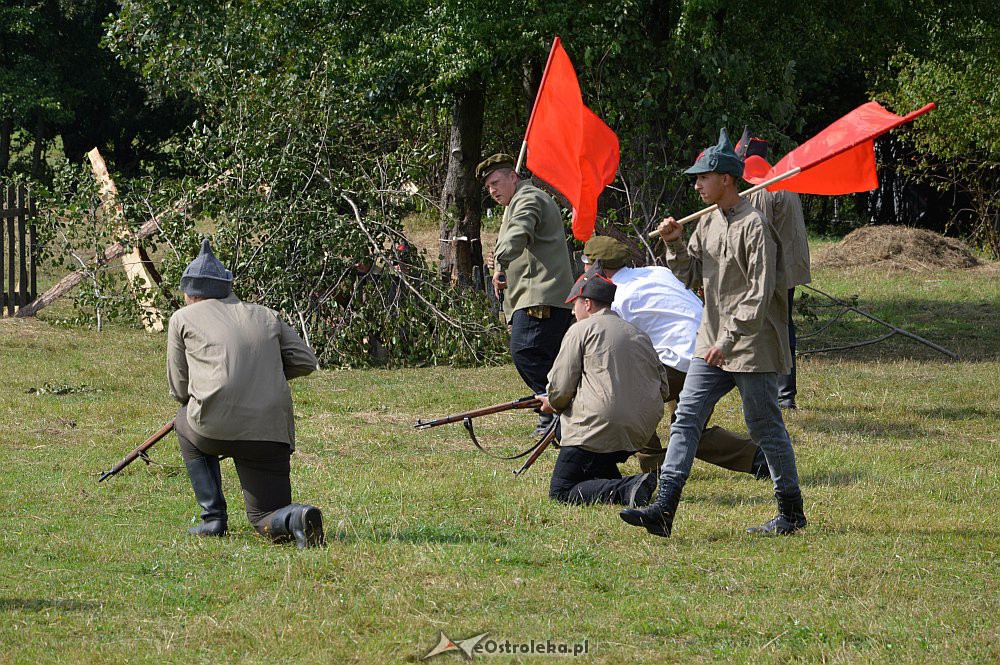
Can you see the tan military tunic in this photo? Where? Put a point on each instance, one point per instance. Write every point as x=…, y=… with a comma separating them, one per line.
x=608, y=385
x=733, y=256
x=531, y=250
x=229, y=361
x=784, y=210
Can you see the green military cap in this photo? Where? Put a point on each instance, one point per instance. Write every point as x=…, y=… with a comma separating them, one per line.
x=720, y=158
x=612, y=253
x=492, y=163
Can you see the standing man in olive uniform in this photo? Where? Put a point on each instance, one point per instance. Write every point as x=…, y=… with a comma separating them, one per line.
x=608, y=386
x=228, y=364
x=532, y=269
x=742, y=341
x=784, y=210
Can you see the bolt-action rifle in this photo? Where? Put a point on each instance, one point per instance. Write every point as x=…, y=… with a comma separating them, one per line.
x=529, y=402
x=140, y=451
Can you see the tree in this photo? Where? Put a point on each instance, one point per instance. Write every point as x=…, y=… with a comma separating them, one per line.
x=310, y=163
x=958, y=67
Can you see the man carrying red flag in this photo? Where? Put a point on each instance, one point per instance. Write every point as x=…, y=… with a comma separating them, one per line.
x=742, y=341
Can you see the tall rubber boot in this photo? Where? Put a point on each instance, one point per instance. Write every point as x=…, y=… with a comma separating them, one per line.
x=791, y=516
x=206, y=480
x=302, y=522
x=658, y=517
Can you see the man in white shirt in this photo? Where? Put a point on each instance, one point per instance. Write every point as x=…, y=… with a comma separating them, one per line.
x=652, y=299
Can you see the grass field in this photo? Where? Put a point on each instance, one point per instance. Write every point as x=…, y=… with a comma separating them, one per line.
x=898, y=450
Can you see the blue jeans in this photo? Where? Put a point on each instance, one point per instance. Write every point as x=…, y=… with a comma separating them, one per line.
x=703, y=388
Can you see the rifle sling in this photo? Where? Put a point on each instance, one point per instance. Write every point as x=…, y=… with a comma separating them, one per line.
x=467, y=422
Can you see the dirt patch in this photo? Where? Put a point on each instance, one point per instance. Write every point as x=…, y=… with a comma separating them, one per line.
x=897, y=247
x=428, y=240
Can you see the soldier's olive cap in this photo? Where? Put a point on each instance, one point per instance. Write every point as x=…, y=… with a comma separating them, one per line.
x=612, y=253
x=595, y=286
x=492, y=163
x=206, y=277
x=720, y=158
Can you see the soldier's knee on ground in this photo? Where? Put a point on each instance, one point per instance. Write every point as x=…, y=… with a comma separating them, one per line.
x=650, y=462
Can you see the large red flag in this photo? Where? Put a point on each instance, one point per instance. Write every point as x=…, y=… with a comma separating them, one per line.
x=569, y=147
x=838, y=160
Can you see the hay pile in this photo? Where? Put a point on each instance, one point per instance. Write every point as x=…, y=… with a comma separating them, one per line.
x=896, y=247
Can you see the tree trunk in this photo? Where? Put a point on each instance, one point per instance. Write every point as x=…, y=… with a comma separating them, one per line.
x=38, y=150
x=531, y=78
x=6, y=132
x=461, y=198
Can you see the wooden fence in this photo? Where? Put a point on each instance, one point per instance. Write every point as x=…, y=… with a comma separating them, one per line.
x=17, y=249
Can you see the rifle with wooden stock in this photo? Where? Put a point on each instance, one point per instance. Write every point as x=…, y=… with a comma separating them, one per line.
x=529, y=402
x=140, y=451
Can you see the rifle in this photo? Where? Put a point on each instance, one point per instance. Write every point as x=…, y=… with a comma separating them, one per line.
x=140, y=451
x=543, y=443
x=529, y=402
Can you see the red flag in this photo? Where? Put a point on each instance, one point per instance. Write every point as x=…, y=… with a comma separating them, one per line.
x=838, y=160
x=569, y=147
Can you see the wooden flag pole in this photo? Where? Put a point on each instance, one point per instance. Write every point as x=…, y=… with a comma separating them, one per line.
x=538, y=93
x=745, y=192
x=520, y=157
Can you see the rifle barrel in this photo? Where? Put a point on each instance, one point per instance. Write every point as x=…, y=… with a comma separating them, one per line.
x=132, y=456
x=529, y=402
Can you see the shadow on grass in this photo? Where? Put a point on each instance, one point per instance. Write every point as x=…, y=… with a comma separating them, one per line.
x=853, y=425
x=38, y=604
x=965, y=328
x=832, y=478
x=957, y=412
x=418, y=535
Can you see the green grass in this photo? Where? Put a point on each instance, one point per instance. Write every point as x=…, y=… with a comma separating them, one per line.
x=897, y=447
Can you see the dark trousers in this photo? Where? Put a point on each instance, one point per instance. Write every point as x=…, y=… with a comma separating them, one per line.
x=263, y=467
x=786, y=382
x=534, y=344
x=581, y=476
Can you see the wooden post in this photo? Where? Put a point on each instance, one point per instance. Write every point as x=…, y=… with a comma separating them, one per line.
x=139, y=277
x=10, y=249
x=22, y=253
x=33, y=242
x=3, y=286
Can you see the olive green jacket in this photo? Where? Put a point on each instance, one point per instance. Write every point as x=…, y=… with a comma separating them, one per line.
x=229, y=362
x=531, y=249
x=608, y=385
x=733, y=255
x=784, y=210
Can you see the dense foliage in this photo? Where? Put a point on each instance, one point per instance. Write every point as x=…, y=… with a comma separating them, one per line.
x=304, y=110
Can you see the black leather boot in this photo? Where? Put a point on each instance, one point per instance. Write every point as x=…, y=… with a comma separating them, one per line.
x=302, y=522
x=791, y=516
x=206, y=480
x=658, y=518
